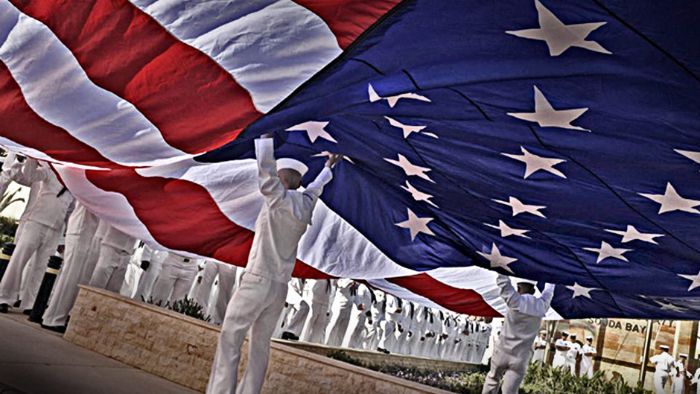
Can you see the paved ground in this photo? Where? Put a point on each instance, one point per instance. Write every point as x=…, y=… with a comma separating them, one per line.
x=34, y=360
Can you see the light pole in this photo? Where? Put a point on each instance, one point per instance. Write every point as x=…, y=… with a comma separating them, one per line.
x=645, y=354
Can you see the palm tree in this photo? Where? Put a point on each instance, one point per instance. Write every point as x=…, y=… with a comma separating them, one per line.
x=9, y=199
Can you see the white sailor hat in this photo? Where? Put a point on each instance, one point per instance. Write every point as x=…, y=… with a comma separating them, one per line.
x=665, y=347
x=292, y=164
x=683, y=355
x=589, y=336
x=565, y=333
x=516, y=280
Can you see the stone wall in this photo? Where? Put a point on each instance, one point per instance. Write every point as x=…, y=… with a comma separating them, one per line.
x=379, y=359
x=181, y=349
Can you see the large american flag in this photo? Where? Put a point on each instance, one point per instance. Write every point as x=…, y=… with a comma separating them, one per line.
x=555, y=141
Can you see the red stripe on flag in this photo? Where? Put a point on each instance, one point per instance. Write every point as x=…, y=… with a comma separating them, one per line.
x=347, y=19
x=182, y=215
x=19, y=123
x=196, y=104
x=457, y=300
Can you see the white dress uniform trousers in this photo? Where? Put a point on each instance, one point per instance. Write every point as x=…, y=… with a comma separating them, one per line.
x=357, y=331
x=341, y=309
x=79, y=232
x=522, y=323
x=175, y=279
x=227, y=284
x=115, y=252
x=257, y=303
x=321, y=292
x=299, y=307
x=150, y=275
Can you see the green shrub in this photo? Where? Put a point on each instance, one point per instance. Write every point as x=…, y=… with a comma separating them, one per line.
x=540, y=379
x=186, y=306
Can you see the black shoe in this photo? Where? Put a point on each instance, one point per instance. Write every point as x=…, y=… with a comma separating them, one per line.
x=4, y=308
x=59, y=329
x=288, y=336
x=16, y=304
x=27, y=312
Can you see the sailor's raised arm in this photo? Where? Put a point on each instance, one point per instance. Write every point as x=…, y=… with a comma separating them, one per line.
x=315, y=188
x=268, y=181
x=508, y=293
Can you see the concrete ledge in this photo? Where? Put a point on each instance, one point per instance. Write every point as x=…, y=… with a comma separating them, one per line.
x=181, y=349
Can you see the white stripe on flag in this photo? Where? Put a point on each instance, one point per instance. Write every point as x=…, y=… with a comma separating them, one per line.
x=404, y=293
x=270, y=47
x=330, y=244
x=482, y=281
x=58, y=90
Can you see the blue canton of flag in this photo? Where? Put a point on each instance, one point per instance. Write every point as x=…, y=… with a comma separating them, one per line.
x=556, y=141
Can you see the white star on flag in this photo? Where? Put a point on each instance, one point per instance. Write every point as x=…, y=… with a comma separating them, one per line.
x=607, y=251
x=497, y=260
x=393, y=100
x=408, y=129
x=416, y=225
x=546, y=116
x=580, y=291
x=314, y=130
x=327, y=154
x=418, y=195
x=670, y=307
x=694, y=156
x=507, y=231
x=534, y=163
x=672, y=201
x=518, y=207
x=694, y=279
x=411, y=169
x=558, y=36
x=632, y=234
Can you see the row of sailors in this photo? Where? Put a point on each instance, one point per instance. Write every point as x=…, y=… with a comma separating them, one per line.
x=344, y=313
x=332, y=312
x=347, y=313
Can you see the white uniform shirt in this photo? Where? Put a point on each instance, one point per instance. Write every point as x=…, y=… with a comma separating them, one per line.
x=80, y=219
x=663, y=363
x=539, y=348
x=49, y=208
x=523, y=319
x=283, y=219
x=573, y=353
x=560, y=355
x=587, y=361
x=119, y=240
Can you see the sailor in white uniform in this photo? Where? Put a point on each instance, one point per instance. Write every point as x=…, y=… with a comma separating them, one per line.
x=587, y=354
x=522, y=322
x=79, y=232
x=561, y=346
x=319, y=295
x=40, y=234
x=258, y=301
x=115, y=252
x=175, y=279
x=539, y=347
x=663, y=363
x=341, y=308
